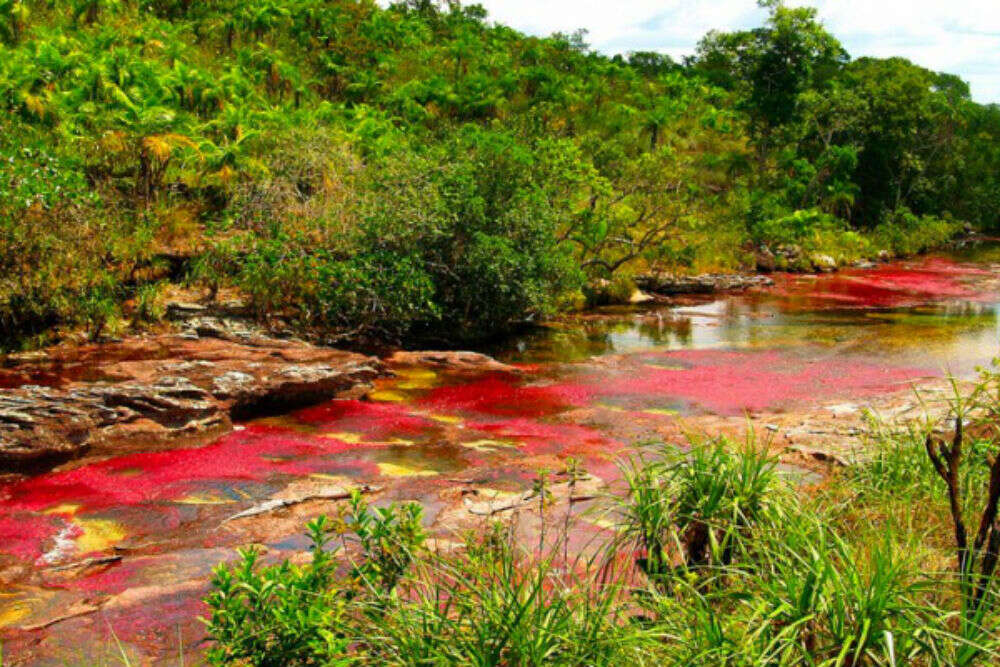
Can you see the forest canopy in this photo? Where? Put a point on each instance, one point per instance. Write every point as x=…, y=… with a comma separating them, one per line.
x=418, y=171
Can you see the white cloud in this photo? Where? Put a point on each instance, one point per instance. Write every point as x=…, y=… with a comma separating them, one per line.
x=958, y=36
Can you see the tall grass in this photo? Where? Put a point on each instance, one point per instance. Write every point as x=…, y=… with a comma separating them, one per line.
x=718, y=560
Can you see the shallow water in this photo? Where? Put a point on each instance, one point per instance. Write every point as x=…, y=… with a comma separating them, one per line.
x=587, y=386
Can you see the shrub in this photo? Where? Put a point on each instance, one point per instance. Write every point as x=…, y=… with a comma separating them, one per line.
x=390, y=538
x=458, y=243
x=693, y=507
x=280, y=614
x=302, y=615
x=904, y=233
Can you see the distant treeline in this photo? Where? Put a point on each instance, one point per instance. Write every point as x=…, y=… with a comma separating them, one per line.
x=420, y=172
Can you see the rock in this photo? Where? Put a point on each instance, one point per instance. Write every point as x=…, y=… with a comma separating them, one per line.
x=448, y=360
x=790, y=252
x=766, y=261
x=639, y=296
x=146, y=392
x=283, y=501
x=37, y=422
x=824, y=263
x=664, y=283
x=182, y=310
x=821, y=455
x=232, y=384
x=224, y=329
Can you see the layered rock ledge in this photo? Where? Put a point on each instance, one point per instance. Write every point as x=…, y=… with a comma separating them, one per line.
x=669, y=284
x=146, y=392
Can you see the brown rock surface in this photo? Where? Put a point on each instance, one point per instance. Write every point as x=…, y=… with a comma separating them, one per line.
x=451, y=360
x=144, y=392
x=669, y=284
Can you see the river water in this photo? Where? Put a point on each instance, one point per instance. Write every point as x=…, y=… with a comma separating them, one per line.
x=585, y=387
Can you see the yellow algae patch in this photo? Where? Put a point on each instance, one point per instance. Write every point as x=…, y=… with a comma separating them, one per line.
x=387, y=396
x=488, y=445
x=667, y=367
x=64, y=508
x=349, y=438
x=98, y=535
x=447, y=419
x=11, y=614
x=416, y=378
x=396, y=470
x=129, y=472
x=17, y=606
x=661, y=411
x=400, y=442
x=204, y=499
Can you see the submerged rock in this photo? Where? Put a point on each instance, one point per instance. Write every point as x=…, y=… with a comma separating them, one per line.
x=146, y=392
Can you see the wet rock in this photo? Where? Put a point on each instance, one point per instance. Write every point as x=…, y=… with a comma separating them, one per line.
x=147, y=392
x=450, y=360
x=664, y=283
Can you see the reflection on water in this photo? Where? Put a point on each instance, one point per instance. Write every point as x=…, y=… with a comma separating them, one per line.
x=940, y=321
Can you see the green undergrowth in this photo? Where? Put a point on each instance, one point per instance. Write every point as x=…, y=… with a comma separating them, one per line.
x=716, y=556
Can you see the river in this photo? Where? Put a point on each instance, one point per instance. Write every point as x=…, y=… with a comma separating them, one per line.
x=115, y=554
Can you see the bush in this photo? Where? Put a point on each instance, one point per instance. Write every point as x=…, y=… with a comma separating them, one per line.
x=457, y=243
x=53, y=240
x=693, y=507
x=285, y=614
x=278, y=615
x=904, y=233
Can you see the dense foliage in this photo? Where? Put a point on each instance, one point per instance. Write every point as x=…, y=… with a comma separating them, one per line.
x=418, y=171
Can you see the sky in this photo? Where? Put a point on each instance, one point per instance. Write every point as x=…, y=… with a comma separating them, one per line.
x=957, y=36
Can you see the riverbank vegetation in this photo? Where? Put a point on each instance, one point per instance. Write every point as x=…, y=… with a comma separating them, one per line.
x=712, y=556
x=419, y=172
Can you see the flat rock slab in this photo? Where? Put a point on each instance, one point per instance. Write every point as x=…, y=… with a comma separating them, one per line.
x=669, y=284
x=451, y=360
x=143, y=392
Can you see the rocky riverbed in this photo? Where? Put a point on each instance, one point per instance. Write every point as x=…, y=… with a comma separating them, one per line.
x=219, y=436
x=146, y=392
